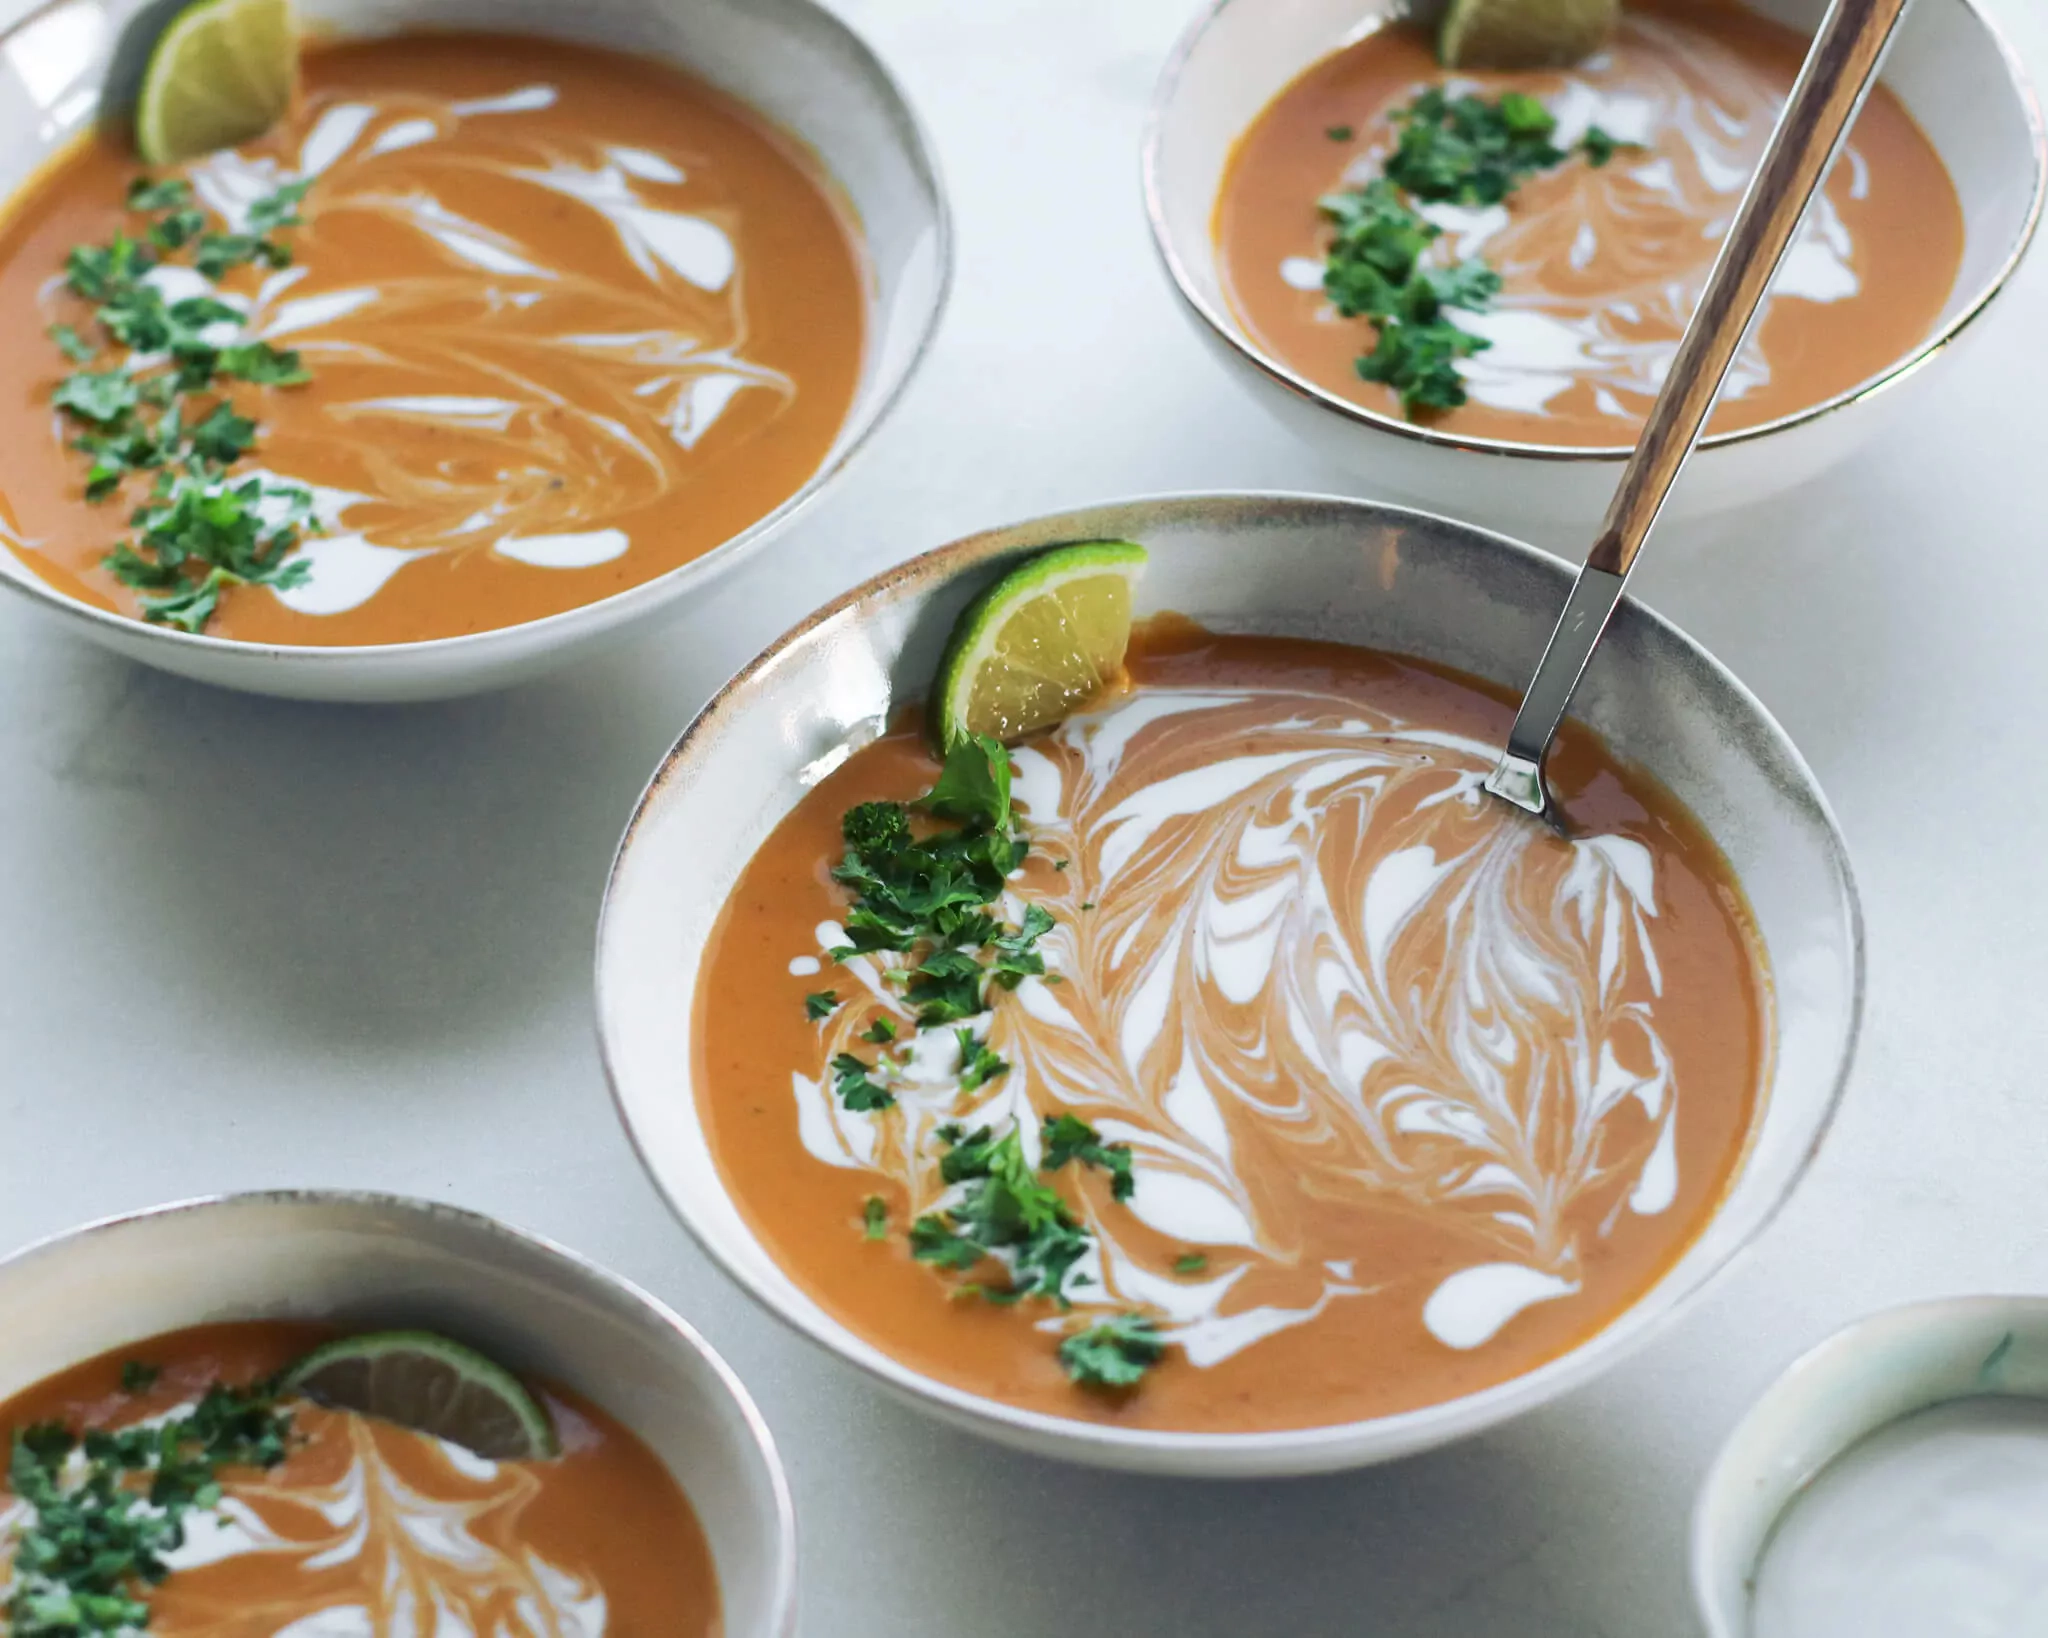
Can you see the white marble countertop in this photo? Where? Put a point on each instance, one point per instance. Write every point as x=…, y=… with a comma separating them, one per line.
x=249, y=944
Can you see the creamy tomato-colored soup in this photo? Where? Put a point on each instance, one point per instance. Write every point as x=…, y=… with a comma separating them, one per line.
x=367, y=1527
x=572, y=317
x=1602, y=266
x=1419, y=1095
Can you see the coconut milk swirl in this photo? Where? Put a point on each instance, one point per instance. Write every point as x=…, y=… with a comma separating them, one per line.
x=528, y=402
x=374, y=1532
x=1604, y=266
x=1315, y=977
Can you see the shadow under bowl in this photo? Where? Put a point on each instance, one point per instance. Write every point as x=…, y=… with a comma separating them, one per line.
x=1282, y=565
x=1948, y=64
x=791, y=61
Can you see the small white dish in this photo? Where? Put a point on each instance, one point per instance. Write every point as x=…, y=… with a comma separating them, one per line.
x=1860, y=1381
x=791, y=60
x=384, y=1262
x=1949, y=65
x=1286, y=565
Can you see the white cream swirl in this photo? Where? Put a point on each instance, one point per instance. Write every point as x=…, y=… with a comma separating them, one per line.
x=1321, y=984
x=531, y=402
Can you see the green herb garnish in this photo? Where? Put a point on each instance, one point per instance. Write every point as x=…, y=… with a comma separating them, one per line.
x=881, y=1031
x=821, y=1004
x=853, y=1087
x=874, y=1215
x=1190, y=1262
x=1462, y=150
x=978, y=1065
x=139, y=1377
x=95, y=1538
x=1113, y=1353
x=160, y=411
x=1068, y=1137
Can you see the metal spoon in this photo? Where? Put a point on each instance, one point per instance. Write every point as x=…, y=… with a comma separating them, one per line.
x=1838, y=74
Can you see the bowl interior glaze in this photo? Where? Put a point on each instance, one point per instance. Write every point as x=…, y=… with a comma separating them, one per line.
x=790, y=60
x=381, y=1262
x=1283, y=565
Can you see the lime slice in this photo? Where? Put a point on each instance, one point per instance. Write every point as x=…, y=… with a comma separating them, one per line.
x=428, y=1383
x=222, y=72
x=1517, y=34
x=1037, y=644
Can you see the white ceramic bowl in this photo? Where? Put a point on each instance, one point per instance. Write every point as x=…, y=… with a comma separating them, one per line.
x=378, y=1261
x=790, y=59
x=1948, y=64
x=1288, y=565
x=1861, y=1379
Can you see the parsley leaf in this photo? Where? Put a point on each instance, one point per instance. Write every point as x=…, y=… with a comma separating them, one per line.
x=978, y=1064
x=821, y=1004
x=974, y=785
x=71, y=344
x=139, y=1377
x=1068, y=1137
x=874, y=1214
x=1003, y=1208
x=881, y=1031
x=854, y=1088
x=169, y=194
x=101, y=397
x=1190, y=1262
x=1113, y=1353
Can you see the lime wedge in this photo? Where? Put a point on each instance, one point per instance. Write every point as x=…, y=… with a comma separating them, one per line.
x=432, y=1385
x=1039, y=643
x=1517, y=34
x=222, y=72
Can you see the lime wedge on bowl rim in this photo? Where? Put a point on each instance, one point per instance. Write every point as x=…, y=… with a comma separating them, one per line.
x=1518, y=34
x=1037, y=644
x=425, y=1382
x=222, y=72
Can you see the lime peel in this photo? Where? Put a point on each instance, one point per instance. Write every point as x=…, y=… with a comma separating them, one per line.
x=1039, y=643
x=221, y=73
x=433, y=1385
x=1524, y=34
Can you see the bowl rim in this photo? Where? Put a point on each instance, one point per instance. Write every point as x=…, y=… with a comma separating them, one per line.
x=2018, y=81
x=576, y=1266
x=1707, y=1546
x=1423, y=1427
x=909, y=128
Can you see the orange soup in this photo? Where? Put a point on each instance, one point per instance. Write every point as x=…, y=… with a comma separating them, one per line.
x=1360, y=1090
x=367, y=1527
x=1601, y=263
x=567, y=319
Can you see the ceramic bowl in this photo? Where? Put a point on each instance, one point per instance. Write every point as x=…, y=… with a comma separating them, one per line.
x=1283, y=565
x=378, y=1261
x=790, y=59
x=1948, y=64
x=1861, y=1379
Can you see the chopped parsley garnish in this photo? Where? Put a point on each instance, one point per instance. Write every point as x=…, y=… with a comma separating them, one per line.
x=1190, y=1262
x=1463, y=150
x=139, y=1377
x=874, y=1214
x=1338, y=133
x=160, y=410
x=928, y=880
x=821, y=1004
x=94, y=1541
x=854, y=1089
x=1113, y=1353
x=1068, y=1137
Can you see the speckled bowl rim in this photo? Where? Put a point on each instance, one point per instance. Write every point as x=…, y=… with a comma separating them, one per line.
x=620, y=606
x=2018, y=82
x=1430, y=1425
x=574, y=1268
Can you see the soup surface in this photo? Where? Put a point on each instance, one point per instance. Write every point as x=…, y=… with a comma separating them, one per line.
x=1602, y=265
x=370, y=1528
x=571, y=319
x=1416, y=1095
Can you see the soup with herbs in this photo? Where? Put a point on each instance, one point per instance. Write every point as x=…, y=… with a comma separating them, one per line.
x=1515, y=256
x=267, y=1513
x=1225, y=1059
x=488, y=328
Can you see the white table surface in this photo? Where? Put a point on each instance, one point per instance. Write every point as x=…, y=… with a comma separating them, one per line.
x=248, y=944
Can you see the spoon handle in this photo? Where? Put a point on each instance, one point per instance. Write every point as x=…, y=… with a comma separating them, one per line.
x=1840, y=68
